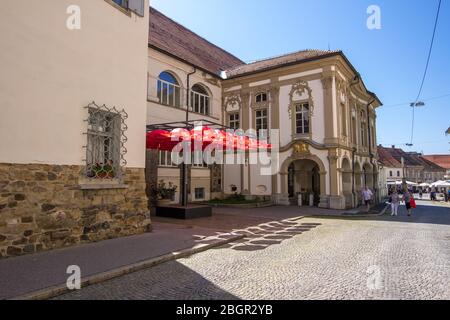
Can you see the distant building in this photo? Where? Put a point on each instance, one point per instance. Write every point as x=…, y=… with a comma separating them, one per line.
x=442, y=160
x=390, y=169
x=417, y=168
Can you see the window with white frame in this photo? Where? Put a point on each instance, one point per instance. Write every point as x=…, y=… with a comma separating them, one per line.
x=261, y=119
x=363, y=129
x=136, y=6
x=261, y=97
x=302, y=118
x=343, y=120
x=197, y=160
x=165, y=159
x=234, y=121
x=169, y=91
x=200, y=100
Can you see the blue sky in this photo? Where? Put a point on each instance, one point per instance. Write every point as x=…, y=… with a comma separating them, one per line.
x=391, y=60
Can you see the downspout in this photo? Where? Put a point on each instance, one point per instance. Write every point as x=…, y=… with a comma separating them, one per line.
x=184, y=169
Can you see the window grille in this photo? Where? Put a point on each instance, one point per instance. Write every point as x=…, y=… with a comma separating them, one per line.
x=105, y=149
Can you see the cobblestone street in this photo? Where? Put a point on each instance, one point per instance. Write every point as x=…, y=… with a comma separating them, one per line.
x=310, y=258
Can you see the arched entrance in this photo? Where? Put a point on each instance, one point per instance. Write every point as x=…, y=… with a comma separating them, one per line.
x=303, y=176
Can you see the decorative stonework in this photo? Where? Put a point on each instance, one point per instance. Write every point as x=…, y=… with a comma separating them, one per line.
x=301, y=87
x=233, y=100
x=42, y=207
x=301, y=148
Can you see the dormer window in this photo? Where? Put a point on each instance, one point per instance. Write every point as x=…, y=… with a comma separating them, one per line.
x=261, y=97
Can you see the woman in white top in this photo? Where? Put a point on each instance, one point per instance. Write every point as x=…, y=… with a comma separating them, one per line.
x=395, y=202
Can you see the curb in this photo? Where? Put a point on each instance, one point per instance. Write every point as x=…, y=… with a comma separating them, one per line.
x=54, y=291
x=382, y=212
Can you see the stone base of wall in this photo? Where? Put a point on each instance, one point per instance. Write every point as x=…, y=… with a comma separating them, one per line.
x=42, y=207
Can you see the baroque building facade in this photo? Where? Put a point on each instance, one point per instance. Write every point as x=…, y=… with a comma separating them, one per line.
x=316, y=99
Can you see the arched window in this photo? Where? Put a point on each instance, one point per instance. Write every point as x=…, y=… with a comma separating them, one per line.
x=261, y=97
x=200, y=100
x=168, y=90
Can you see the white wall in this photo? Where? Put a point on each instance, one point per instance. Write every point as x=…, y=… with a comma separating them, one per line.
x=49, y=73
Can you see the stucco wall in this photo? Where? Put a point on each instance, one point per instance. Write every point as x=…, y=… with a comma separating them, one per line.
x=49, y=73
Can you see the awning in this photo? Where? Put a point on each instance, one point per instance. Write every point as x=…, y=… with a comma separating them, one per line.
x=203, y=137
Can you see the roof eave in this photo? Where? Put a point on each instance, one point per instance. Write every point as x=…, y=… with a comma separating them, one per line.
x=184, y=61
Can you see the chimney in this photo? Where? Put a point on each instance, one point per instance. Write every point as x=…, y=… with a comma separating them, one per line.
x=393, y=146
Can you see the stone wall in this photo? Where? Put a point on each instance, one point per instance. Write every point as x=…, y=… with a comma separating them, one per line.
x=42, y=207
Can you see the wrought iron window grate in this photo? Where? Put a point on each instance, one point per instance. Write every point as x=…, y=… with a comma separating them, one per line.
x=105, y=149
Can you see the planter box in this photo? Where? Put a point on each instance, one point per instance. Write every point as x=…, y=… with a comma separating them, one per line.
x=180, y=212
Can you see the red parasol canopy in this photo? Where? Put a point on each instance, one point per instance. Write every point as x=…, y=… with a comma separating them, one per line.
x=165, y=140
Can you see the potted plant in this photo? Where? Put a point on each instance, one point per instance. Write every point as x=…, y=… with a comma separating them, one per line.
x=165, y=193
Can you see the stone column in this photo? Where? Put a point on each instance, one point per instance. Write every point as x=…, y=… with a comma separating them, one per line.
x=275, y=124
x=330, y=96
x=337, y=200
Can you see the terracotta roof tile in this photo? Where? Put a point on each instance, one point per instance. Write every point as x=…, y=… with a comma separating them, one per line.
x=174, y=39
x=278, y=61
x=442, y=160
x=387, y=159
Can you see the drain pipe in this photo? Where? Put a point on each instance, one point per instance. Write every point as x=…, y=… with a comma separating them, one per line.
x=184, y=168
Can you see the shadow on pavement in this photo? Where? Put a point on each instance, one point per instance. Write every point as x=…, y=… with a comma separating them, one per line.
x=169, y=281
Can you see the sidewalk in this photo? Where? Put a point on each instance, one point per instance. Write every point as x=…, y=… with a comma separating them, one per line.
x=43, y=275
x=47, y=270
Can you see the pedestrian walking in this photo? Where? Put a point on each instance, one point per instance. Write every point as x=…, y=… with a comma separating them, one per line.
x=367, y=197
x=395, y=201
x=407, y=196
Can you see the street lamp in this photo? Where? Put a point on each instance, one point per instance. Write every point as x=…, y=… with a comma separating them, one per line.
x=417, y=104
